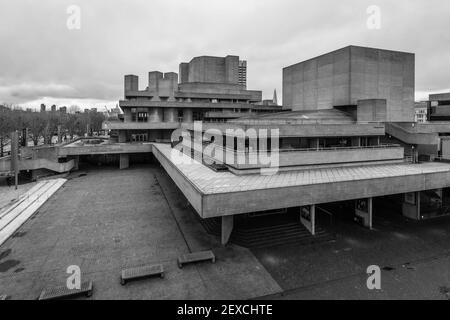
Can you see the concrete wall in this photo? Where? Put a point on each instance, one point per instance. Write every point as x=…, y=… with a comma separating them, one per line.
x=350, y=74
x=155, y=115
x=184, y=72
x=170, y=115
x=318, y=83
x=372, y=110
x=105, y=149
x=304, y=158
x=162, y=85
x=305, y=130
x=191, y=193
x=439, y=97
x=131, y=83
x=212, y=69
x=410, y=135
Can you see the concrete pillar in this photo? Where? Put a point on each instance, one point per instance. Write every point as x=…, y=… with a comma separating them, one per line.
x=124, y=161
x=411, y=205
x=76, y=161
x=187, y=115
x=308, y=218
x=356, y=142
x=155, y=115
x=227, y=228
x=170, y=115
x=364, y=210
x=122, y=136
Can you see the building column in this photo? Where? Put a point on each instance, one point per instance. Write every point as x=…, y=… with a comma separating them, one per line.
x=124, y=161
x=364, y=211
x=356, y=142
x=411, y=205
x=187, y=115
x=155, y=115
x=122, y=136
x=308, y=218
x=227, y=228
x=76, y=161
x=170, y=115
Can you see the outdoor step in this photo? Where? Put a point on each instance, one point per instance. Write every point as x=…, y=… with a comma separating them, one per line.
x=277, y=236
x=296, y=229
x=261, y=230
x=292, y=240
x=284, y=233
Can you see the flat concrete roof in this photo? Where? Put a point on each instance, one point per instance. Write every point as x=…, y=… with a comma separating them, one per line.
x=223, y=193
x=209, y=181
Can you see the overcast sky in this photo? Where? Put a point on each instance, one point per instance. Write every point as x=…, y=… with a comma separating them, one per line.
x=42, y=61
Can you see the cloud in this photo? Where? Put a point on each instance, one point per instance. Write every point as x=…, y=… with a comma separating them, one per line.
x=43, y=58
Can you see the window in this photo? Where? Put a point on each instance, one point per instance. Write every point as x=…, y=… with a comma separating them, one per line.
x=139, y=137
x=133, y=114
x=142, y=117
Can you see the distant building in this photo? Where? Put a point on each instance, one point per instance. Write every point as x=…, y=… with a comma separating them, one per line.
x=275, y=98
x=439, y=107
x=53, y=108
x=43, y=107
x=421, y=112
x=63, y=109
x=208, y=89
x=243, y=73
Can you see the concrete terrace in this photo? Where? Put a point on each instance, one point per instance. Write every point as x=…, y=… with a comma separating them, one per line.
x=221, y=193
x=93, y=223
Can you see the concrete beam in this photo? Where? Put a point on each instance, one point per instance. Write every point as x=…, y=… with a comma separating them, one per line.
x=227, y=228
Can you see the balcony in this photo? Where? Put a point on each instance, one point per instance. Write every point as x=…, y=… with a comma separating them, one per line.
x=117, y=125
x=242, y=160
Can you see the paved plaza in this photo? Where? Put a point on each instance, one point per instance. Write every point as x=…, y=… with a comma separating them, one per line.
x=91, y=223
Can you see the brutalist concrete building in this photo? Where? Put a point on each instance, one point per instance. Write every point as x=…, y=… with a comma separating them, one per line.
x=343, y=77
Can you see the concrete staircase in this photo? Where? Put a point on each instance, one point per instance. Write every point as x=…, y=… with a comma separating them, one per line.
x=12, y=217
x=282, y=233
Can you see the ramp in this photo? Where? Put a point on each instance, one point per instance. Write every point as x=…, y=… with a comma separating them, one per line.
x=16, y=215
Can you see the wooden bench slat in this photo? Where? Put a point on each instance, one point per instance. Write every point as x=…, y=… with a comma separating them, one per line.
x=142, y=272
x=196, y=257
x=64, y=292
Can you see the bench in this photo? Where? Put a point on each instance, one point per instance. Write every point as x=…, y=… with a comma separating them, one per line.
x=196, y=257
x=64, y=292
x=3, y=297
x=141, y=273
